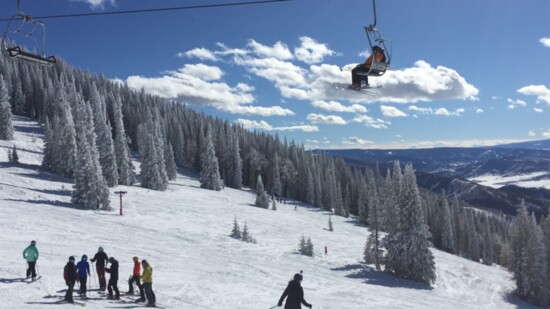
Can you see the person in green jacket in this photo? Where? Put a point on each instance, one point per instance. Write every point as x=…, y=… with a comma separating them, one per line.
x=31, y=255
x=147, y=279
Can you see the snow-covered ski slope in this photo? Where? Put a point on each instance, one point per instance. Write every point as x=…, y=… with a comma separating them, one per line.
x=183, y=233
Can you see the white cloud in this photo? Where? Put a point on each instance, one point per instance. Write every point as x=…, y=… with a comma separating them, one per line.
x=391, y=111
x=97, y=3
x=263, y=125
x=515, y=103
x=441, y=111
x=333, y=106
x=200, y=84
x=326, y=119
x=230, y=51
x=531, y=133
x=546, y=134
x=479, y=111
x=540, y=91
x=356, y=141
x=282, y=73
x=201, y=71
x=371, y=122
x=545, y=42
x=200, y=53
x=312, y=52
x=419, y=83
x=538, y=110
x=279, y=50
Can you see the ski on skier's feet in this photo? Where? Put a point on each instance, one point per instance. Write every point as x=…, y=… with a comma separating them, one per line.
x=33, y=279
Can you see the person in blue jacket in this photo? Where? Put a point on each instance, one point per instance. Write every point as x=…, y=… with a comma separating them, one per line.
x=31, y=255
x=83, y=271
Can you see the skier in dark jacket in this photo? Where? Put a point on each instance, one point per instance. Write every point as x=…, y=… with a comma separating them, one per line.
x=113, y=279
x=69, y=274
x=102, y=259
x=295, y=294
x=83, y=270
x=31, y=255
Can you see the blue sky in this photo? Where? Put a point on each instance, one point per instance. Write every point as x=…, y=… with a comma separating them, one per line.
x=465, y=72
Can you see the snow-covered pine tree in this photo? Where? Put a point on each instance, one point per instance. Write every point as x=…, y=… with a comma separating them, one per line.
x=262, y=199
x=273, y=205
x=520, y=235
x=408, y=253
x=245, y=235
x=447, y=237
x=302, y=245
x=545, y=225
x=6, y=125
x=309, y=247
x=235, y=174
x=373, y=251
x=126, y=175
x=153, y=169
x=276, y=190
x=310, y=188
x=18, y=99
x=171, y=168
x=105, y=147
x=210, y=173
x=330, y=228
x=473, y=250
x=13, y=157
x=338, y=201
x=536, y=266
x=530, y=260
x=65, y=147
x=236, y=231
x=90, y=189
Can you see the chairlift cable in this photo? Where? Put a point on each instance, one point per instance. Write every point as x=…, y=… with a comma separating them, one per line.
x=155, y=10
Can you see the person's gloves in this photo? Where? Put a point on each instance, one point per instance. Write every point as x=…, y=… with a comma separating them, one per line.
x=310, y=306
x=280, y=304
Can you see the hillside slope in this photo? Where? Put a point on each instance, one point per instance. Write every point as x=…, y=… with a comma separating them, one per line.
x=183, y=232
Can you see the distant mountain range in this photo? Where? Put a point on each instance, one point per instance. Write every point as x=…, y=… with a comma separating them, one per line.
x=496, y=177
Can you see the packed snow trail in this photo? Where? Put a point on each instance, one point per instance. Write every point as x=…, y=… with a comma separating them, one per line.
x=183, y=233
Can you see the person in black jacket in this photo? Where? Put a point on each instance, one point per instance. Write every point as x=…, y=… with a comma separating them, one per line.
x=101, y=258
x=69, y=274
x=113, y=279
x=295, y=294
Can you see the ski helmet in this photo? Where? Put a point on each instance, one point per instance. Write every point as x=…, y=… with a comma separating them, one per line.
x=100, y=249
x=112, y=259
x=84, y=257
x=71, y=259
x=144, y=262
x=33, y=242
x=135, y=258
x=298, y=277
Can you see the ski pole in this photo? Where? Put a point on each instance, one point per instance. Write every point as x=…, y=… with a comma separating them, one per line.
x=273, y=307
x=95, y=277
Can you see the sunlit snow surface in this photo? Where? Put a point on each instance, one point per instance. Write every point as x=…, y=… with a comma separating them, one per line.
x=183, y=232
x=531, y=180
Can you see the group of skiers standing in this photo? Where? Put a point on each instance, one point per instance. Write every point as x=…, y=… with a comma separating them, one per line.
x=80, y=272
x=293, y=293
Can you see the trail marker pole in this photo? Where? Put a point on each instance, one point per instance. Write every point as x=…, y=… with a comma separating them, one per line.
x=121, y=194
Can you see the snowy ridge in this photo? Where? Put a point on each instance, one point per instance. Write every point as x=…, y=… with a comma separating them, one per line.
x=183, y=233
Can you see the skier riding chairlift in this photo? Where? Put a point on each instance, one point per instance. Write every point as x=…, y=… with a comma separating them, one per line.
x=379, y=60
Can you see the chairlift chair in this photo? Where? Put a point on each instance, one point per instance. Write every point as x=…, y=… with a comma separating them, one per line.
x=19, y=52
